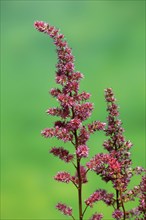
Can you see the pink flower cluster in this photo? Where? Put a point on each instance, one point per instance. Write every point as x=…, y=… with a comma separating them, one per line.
x=63, y=177
x=74, y=124
x=83, y=111
x=107, y=166
x=100, y=195
x=60, y=133
x=64, y=209
x=82, y=151
x=117, y=214
x=96, y=126
x=96, y=216
x=62, y=154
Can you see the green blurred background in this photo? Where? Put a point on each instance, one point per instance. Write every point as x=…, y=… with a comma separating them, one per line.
x=107, y=38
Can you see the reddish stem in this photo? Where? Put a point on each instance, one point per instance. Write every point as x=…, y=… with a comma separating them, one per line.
x=78, y=172
x=79, y=190
x=117, y=199
x=122, y=203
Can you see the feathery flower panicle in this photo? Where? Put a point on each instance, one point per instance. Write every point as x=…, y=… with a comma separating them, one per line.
x=60, y=133
x=74, y=108
x=73, y=104
x=54, y=111
x=62, y=154
x=96, y=216
x=63, y=177
x=116, y=145
x=100, y=195
x=48, y=132
x=115, y=166
x=92, y=199
x=66, y=210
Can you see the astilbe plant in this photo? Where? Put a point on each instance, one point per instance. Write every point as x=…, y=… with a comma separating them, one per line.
x=116, y=167
x=73, y=110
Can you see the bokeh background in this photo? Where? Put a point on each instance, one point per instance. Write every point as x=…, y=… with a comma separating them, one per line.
x=108, y=39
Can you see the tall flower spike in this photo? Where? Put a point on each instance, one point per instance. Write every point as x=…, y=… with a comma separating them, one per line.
x=116, y=145
x=73, y=104
x=115, y=166
x=74, y=108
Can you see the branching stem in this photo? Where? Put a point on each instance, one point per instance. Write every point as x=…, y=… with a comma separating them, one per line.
x=73, y=218
x=84, y=210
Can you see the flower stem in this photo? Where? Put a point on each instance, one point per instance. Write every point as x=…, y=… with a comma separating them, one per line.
x=72, y=217
x=117, y=199
x=79, y=179
x=79, y=190
x=122, y=204
x=85, y=210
